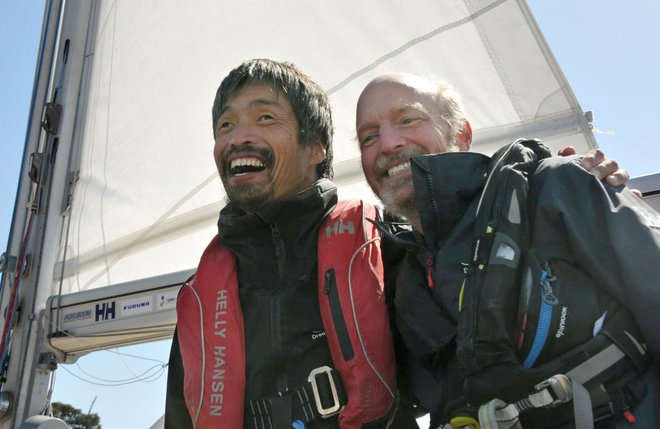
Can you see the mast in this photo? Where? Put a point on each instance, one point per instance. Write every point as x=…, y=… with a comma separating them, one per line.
x=41, y=204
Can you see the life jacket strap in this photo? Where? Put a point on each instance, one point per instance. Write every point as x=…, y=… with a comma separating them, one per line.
x=322, y=396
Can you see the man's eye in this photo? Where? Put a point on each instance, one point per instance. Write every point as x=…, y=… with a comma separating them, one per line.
x=368, y=140
x=409, y=120
x=266, y=117
x=224, y=126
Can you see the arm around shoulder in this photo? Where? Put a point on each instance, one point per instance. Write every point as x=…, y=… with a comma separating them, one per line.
x=610, y=232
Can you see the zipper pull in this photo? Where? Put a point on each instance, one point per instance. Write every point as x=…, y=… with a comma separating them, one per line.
x=629, y=416
x=275, y=232
x=429, y=271
x=329, y=280
x=547, y=277
x=626, y=399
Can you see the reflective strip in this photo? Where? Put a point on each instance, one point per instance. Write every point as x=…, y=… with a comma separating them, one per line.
x=460, y=297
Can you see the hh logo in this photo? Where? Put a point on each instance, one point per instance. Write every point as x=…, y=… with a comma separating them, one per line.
x=105, y=311
x=339, y=227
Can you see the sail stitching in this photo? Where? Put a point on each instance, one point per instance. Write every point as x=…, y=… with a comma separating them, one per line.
x=412, y=43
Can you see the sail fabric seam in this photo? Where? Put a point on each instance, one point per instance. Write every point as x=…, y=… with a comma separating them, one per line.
x=497, y=65
x=412, y=43
x=139, y=239
x=106, y=270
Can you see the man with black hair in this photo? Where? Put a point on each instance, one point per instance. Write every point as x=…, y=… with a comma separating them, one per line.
x=273, y=331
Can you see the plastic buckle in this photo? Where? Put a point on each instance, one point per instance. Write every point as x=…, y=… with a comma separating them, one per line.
x=464, y=422
x=336, y=406
x=560, y=388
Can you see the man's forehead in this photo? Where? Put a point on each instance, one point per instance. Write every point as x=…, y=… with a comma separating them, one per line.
x=258, y=94
x=413, y=83
x=393, y=95
x=261, y=88
x=402, y=105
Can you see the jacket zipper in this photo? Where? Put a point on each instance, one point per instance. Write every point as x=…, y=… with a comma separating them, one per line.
x=275, y=322
x=280, y=250
x=282, y=379
x=434, y=203
x=429, y=270
x=470, y=295
x=330, y=289
x=436, y=216
x=548, y=302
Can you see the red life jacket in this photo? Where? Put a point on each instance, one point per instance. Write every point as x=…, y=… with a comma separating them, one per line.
x=211, y=332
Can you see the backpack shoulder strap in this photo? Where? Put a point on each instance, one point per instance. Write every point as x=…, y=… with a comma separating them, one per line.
x=490, y=289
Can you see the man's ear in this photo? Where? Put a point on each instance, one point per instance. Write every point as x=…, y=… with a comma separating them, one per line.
x=464, y=137
x=317, y=154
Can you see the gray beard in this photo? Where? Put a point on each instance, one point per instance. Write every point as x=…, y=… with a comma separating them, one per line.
x=406, y=209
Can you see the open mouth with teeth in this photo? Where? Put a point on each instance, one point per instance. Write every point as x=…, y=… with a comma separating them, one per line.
x=247, y=165
x=398, y=169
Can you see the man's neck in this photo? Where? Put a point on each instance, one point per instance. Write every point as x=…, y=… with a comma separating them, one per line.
x=414, y=221
x=407, y=212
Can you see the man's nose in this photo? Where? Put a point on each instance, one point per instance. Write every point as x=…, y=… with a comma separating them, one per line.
x=391, y=140
x=241, y=134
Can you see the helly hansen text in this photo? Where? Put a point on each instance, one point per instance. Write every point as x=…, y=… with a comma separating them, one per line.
x=340, y=227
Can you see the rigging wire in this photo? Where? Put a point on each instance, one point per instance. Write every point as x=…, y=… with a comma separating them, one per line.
x=48, y=407
x=146, y=379
x=151, y=374
x=135, y=378
x=13, y=300
x=47, y=141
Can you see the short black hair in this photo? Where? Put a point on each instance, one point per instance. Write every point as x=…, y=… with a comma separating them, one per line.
x=308, y=100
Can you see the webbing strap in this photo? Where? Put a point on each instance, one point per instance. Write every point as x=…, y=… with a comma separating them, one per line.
x=497, y=414
x=274, y=412
x=536, y=400
x=306, y=403
x=596, y=364
x=584, y=415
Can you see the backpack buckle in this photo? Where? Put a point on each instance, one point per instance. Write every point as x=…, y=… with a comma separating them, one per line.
x=559, y=387
x=336, y=406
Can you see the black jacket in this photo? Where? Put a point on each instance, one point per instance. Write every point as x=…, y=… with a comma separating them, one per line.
x=609, y=232
x=276, y=253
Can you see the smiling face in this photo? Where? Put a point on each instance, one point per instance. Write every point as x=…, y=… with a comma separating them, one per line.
x=399, y=116
x=257, y=151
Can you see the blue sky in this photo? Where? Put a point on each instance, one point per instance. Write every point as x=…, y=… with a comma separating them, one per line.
x=608, y=50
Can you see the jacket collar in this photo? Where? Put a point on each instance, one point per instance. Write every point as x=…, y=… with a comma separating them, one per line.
x=445, y=185
x=304, y=208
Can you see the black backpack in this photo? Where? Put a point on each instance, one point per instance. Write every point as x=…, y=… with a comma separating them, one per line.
x=517, y=307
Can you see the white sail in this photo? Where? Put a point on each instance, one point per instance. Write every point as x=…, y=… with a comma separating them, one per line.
x=132, y=192
x=148, y=194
